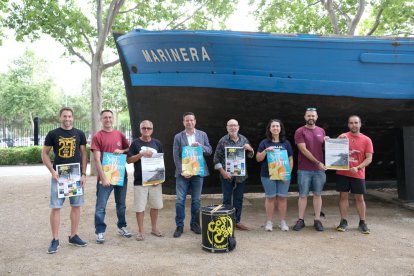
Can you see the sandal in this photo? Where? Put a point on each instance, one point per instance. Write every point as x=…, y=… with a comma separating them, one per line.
x=140, y=237
x=157, y=234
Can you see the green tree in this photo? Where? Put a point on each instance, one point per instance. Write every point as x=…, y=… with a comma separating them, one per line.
x=27, y=90
x=350, y=17
x=3, y=10
x=85, y=31
x=114, y=97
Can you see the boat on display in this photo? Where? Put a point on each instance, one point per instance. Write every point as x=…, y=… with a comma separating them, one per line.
x=255, y=77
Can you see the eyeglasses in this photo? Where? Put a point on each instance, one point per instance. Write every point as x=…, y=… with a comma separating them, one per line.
x=311, y=109
x=232, y=125
x=146, y=128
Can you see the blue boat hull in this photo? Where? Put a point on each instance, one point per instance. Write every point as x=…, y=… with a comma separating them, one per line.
x=257, y=77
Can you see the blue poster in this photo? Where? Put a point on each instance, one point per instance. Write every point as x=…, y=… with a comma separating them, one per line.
x=278, y=162
x=113, y=166
x=192, y=161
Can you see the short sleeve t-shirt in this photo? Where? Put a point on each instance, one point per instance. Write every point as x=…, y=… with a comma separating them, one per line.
x=314, y=139
x=136, y=146
x=66, y=145
x=359, y=145
x=105, y=141
x=264, y=144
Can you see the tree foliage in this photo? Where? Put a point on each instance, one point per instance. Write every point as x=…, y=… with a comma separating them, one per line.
x=362, y=17
x=85, y=30
x=27, y=91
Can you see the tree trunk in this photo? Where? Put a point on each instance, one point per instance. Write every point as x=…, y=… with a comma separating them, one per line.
x=96, y=98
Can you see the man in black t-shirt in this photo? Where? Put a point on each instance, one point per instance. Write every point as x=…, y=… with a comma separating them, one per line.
x=145, y=146
x=69, y=146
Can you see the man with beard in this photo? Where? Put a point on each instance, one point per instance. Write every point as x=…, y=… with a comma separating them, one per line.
x=69, y=146
x=232, y=186
x=311, y=170
x=353, y=180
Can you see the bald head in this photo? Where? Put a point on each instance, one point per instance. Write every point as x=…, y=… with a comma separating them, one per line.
x=232, y=127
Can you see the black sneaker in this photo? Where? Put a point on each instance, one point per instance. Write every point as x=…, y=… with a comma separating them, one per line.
x=318, y=225
x=53, y=247
x=343, y=225
x=195, y=228
x=76, y=241
x=363, y=228
x=178, y=232
x=300, y=224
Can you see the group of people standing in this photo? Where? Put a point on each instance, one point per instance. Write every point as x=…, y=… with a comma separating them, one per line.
x=69, y=146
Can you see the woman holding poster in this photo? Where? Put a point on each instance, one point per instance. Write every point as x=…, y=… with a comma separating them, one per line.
x=275, y=175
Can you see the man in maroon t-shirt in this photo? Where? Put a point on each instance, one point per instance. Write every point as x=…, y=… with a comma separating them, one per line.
x=109, y=140
x=353, y=180
x=311, y=170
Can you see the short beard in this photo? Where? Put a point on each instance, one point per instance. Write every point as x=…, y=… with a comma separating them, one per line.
x=310, y=122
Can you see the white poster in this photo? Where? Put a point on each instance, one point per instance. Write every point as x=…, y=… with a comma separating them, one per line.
x=337, y=154
x=153, y=169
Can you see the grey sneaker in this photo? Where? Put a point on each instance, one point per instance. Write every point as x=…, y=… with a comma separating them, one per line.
x=300, y=224
x=53, y=247
x=123, y=231
x=318, y=225
x=77, y=241
x=100, y=238
x=343, y=225
x=363, y=228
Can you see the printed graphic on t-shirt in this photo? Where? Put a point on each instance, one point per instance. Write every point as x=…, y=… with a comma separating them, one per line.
x=353, y=156
x=67, y=147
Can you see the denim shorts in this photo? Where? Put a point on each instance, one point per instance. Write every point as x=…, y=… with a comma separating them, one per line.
x=275, y=187
x=311, y=181
x=57, y=203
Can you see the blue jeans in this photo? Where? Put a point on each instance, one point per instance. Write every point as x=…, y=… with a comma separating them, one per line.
x=102, y=195
x=233, y=195
x=181, y=188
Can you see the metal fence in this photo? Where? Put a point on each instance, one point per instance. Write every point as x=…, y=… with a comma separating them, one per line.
x=22, y=135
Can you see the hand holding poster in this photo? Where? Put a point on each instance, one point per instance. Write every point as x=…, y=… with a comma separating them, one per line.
x=192, y=161
x=113, y=166
x=235, y=158
x=153, y=169
x=337, y=154
x=69, y=180
x=278, y=163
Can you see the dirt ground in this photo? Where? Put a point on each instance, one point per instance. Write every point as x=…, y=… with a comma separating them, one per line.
x=25, y=236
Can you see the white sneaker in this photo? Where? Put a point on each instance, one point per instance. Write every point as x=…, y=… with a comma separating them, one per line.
x=100, y=238
x=269, y=226
x=283, y=226
x=124, y=232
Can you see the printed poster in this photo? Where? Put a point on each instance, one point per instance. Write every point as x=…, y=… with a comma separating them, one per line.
x=337, y=154
x=69, y=180
x=235, y=158
x=113, y=166
x=192, y=161
x=153, y=169
x=278, y=162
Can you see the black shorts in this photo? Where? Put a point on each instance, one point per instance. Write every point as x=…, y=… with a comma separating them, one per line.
x=346, y=184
